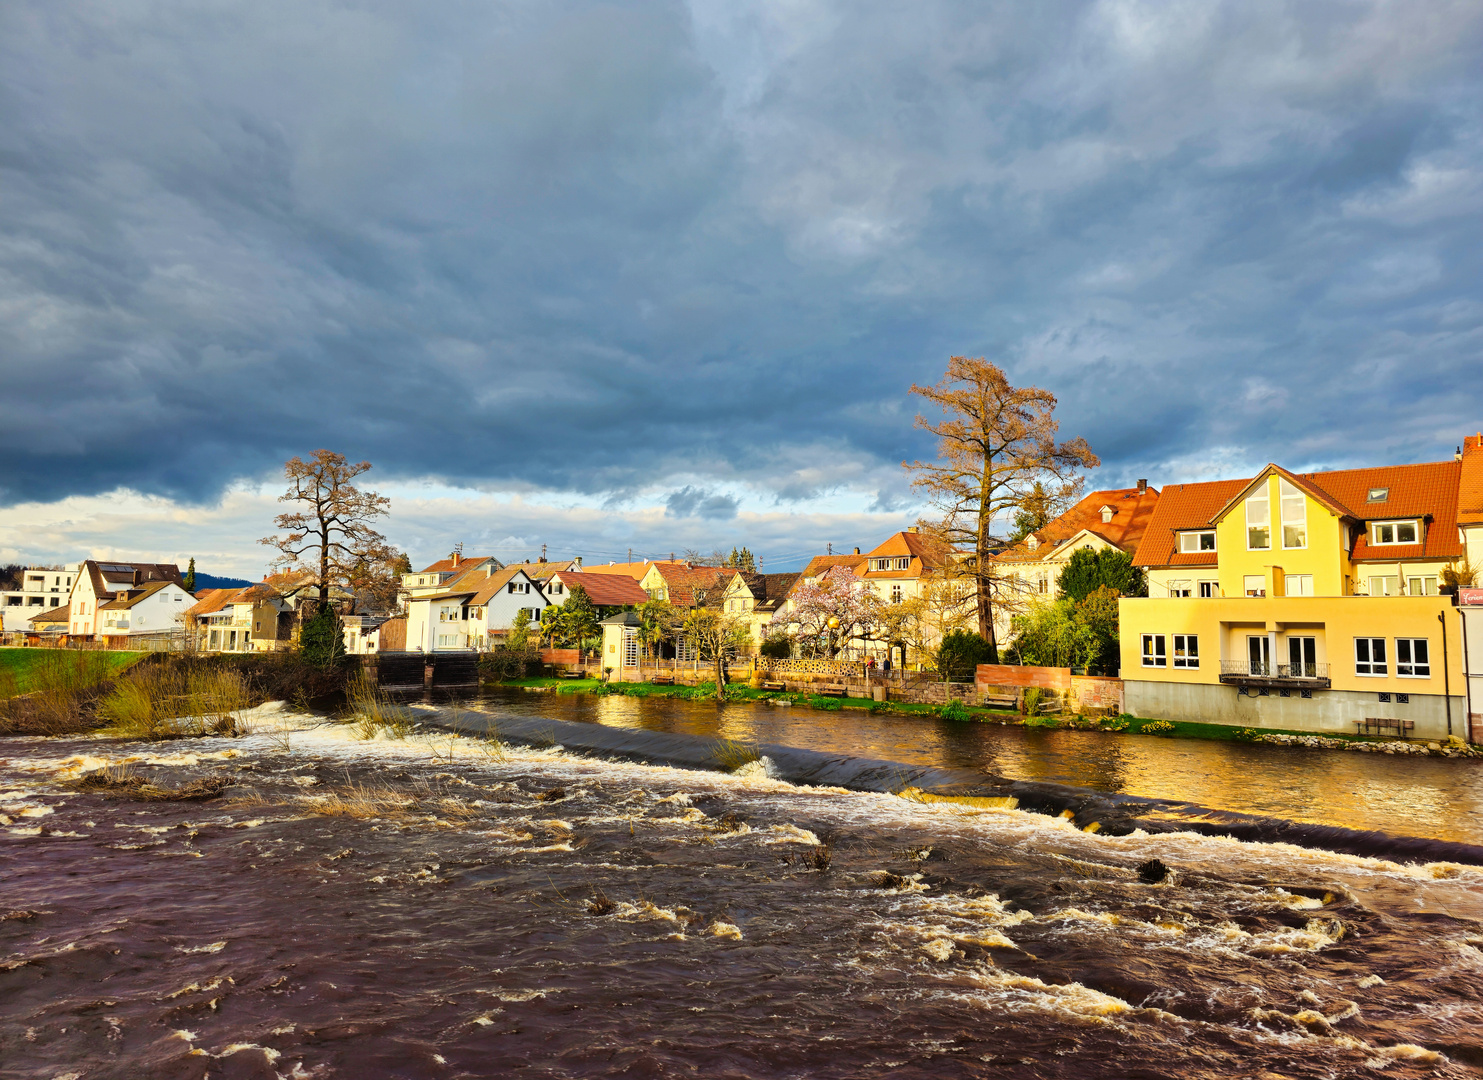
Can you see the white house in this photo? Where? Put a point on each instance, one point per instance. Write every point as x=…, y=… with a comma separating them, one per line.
x=155, y=607
x=43, y=589
x=472, y=609
x=98, y=584
x=238, y=620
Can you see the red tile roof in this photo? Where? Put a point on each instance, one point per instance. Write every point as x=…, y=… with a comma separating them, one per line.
x=635, y=570
x=605, y=590
x=461, y=562
x=1182, y=506
x=1470, y=486
x=1133, y=511
x=1413, y=491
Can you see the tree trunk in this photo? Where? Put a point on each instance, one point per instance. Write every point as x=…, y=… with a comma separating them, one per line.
x=720, y=677
x=324, y=563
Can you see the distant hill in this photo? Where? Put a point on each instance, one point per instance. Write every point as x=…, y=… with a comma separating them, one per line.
x=211, y=581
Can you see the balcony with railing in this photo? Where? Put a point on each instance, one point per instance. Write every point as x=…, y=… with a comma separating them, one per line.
x=1257, y=673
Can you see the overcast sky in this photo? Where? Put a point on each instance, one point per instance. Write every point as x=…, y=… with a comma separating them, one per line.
x=658, y=275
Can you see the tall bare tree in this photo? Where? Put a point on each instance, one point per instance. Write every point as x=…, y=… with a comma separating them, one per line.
x=997, y=452
x=333, y=529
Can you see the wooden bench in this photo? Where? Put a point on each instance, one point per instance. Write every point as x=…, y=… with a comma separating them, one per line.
x=573, y=675
x=774, y=686
x=830, y=691
x=663, y=680
x=1002, y=701
x=1374, y=725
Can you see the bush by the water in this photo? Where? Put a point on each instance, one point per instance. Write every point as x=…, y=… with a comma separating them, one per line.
x=961, y=653
x=510, y=662
x=777, y=646
x=322, y=639
x=954, y=710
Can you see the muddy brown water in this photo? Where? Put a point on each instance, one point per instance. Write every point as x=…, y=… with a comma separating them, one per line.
x=535, y=914
x=1409, y=796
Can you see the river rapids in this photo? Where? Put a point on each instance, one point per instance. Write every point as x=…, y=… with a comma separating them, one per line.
x=443, y=906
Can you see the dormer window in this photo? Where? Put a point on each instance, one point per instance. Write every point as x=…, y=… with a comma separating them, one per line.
x=1195, y=542
x=903, y=564
x=1395, y=532
x=1032, y=543
x=1107, y=513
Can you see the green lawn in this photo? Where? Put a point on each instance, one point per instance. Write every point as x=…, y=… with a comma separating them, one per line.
x=24, y=670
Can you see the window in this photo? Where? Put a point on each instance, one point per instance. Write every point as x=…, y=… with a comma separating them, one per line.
x=514, y=588
x=34, y=601
x=1302, y=657
x=1042, y=582
x=1369, y=656
x=1179, y=588
x=1254, y=585
x=1378, y=495
x=1196, y=541
x=1385, y=585
x=1394, y=532
x=12, y=601
x=903, y=564
x=1421, y=586
x=895, y=594
x=1186, y=651
x=1258, y=523
x=1412, y=660
x=1294, y=516
x=1154, y=653
x=1299, y=584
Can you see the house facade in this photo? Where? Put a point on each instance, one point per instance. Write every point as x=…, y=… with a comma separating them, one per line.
x=1302, y=600
x=99, y=584
x=43, y=589
x=756, y=600
x=473, y=608
x=238, y=619
x=1114, y=518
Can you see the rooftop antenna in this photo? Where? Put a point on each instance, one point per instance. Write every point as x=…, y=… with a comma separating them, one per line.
x=458, y=548
x=543, y=553
x=831, y=549
x=630, y=554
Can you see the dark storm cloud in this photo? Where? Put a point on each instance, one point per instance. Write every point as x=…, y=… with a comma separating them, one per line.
x=592, y=246
x=696, y=502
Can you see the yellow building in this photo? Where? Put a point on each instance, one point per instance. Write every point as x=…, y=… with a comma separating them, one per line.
x=1302, y=601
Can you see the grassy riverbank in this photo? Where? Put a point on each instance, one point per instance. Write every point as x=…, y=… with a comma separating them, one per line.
x=1125, y=724
x=25, y=670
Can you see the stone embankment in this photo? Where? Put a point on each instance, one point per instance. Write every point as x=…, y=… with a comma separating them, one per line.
x=1452, y=748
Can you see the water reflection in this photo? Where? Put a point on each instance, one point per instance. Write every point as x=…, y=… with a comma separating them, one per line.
x=1400, y=795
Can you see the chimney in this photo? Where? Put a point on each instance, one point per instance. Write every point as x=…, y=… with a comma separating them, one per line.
x=857, y=551
x=1457, y=454
x=911, y=528
x=577, y=562
x=457, y=558
x=1142, y=487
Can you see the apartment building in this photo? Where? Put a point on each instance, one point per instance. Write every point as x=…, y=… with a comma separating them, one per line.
x=43, y=589
x=1306, y=600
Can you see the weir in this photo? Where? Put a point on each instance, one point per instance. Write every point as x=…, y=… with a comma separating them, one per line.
x=1095, y=811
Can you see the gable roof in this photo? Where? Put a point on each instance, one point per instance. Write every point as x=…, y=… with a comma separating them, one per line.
x=1134, y=511
x=635, y=570
x=539, y=571
x=111, y=577
x=209, y=601
x=604, y=590
x=684, y=581
x=459, y=562
x=932, y=552
x=1414, y=491
x=769, y=590
x=124, y=600
x=820, y=563
x=1181, y=507
x=1470, y=482
x=51, y=615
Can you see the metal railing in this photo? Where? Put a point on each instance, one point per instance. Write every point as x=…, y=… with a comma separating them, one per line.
x=1258, y=669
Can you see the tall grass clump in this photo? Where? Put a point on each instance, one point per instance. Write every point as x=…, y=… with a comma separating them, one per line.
x=373, y=712
x=161, y=701
x=733, y=755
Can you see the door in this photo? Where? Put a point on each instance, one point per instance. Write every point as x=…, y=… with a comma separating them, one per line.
x=1302, y=657
x=1259, y=652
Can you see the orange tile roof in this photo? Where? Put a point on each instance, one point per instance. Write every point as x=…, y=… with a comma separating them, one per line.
x=211, y=600
x=1414, y=491
x=683, y=580
x=443, y=566
x=635, y=570
x=820, y=563
x=1133, y=511
x=1182, y=506
x=1470, y=486
x=932, y=552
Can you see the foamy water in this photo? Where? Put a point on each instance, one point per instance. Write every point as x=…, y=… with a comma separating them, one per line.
x=507, y=908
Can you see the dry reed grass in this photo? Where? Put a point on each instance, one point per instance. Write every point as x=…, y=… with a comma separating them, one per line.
x=176, y=701
x=732, y=755
x=122, y=780
x=373, y=710
x=62, y=687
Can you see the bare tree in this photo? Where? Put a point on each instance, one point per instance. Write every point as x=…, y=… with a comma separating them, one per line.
x=996, y=442
x=333, y=529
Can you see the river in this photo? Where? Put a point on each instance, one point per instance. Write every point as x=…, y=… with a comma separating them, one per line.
x=439, y=907
x=1436, y=798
